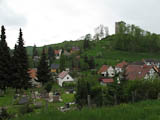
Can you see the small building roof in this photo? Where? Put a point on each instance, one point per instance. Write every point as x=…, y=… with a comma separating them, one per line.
x=63, y=74
x=33, y=73
x=137, y=71
x=75, y=48
x=122, y=64
x=54, y=66
x=106, y=80
x=137, y=63
x=104, y=68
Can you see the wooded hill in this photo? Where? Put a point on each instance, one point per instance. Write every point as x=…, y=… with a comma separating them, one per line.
x=130, y=43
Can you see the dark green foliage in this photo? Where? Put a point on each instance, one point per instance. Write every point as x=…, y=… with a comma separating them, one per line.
x=16, y=83
x=34, y=56
x=20, y=77
x=86, y=43
x=25, y=109
x=91, y=63
x=51, y=55
x=4, y=115
x=35, y=52
x=62, y=63
x=43, y=71
x=48, y=87
x=134, y=39
x=83, y=90
x=5, y=60
x=69, y=85
x=83, y=66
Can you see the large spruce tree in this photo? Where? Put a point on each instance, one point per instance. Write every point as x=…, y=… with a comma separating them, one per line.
x=43, y=72
x=20, y=58
x=15, y=77
x=4, y=61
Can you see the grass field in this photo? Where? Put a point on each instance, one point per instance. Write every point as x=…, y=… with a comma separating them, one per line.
x=147, y=110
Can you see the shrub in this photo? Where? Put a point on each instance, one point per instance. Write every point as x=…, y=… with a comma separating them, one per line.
x=48, y=87
x=25, y=109
x=4, y=114
x=69, y=85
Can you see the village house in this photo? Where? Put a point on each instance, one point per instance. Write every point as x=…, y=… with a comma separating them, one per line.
x=105, y=81
x=134, y=72
x=33, y=75
x=58, y=53
x=111, y=72
x=103, y=70
x=64, y=77
x=152, y=62
x=54, y=68
x=74, y=49
x=120, y=67
x=107, y=71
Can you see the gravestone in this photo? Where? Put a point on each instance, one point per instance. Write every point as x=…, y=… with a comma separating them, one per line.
x=23, y=100
x=56, y=98
x=38, y=104
x=50, y=97
x=67, y=105
x=44, y=94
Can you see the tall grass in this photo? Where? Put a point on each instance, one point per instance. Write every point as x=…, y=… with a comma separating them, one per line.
x=147, y=110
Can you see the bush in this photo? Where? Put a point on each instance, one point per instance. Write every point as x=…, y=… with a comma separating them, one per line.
x=69, y=85
x=48, y=87
x=4, y=114
x=25, y=109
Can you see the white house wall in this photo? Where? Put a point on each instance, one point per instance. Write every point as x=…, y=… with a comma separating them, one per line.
x=67, y=78
x=111, y=72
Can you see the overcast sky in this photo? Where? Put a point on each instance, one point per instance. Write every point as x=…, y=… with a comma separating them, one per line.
x=53, y=21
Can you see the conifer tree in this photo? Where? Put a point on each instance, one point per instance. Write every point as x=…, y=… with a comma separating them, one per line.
x=15, y=77
x=91, y=63
x=34, y=56
x=4, y=61
x=21, y=59
x=62, y=63
x=43, y=72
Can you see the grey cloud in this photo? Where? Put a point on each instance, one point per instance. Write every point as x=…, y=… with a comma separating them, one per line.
x=9, y=17
x=143, y=13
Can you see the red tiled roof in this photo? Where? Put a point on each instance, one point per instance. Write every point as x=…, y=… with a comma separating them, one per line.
x=56, y=52
x=137, y=71
x=122, y=64
x=103, y=69
x=32, y=73
x=62, y=74
x=107, y=80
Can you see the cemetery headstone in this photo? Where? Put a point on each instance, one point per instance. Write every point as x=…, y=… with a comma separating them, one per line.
x=23, y=100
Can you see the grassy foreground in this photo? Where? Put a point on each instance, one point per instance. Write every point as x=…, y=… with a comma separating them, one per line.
x=147, y=110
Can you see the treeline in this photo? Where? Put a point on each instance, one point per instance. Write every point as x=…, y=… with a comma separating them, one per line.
x=114, y=93
x=134, y=39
